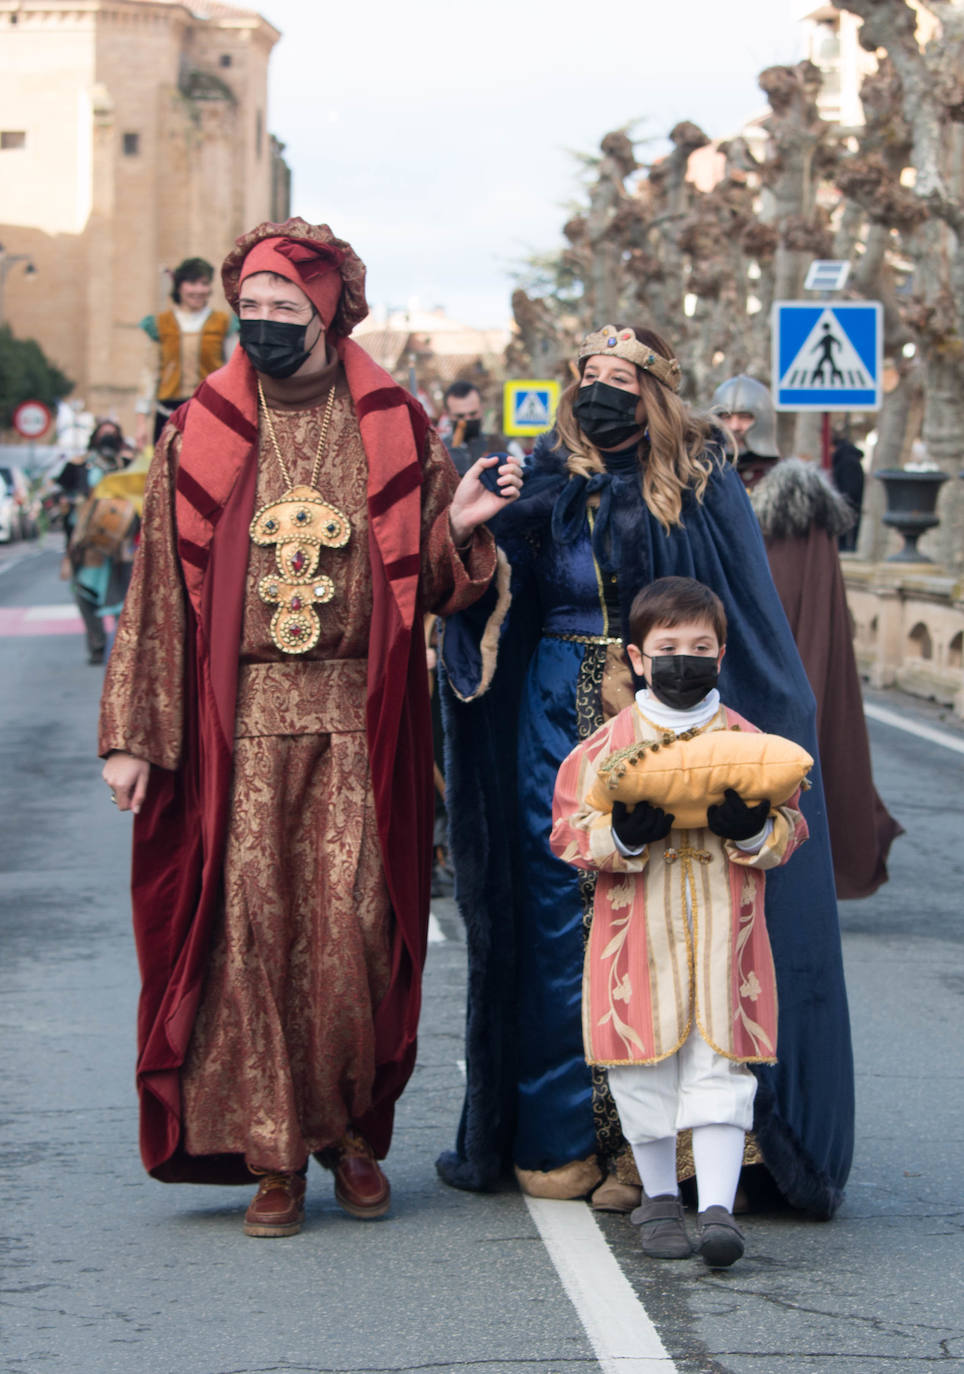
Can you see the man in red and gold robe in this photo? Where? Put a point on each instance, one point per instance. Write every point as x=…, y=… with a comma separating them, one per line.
x=266, y=716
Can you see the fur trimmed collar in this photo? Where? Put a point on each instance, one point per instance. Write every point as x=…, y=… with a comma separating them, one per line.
x=795, y=495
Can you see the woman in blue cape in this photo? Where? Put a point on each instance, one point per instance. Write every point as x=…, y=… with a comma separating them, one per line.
x=629, y=486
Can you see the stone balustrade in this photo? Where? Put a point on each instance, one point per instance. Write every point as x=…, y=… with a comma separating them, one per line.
x=908, y=624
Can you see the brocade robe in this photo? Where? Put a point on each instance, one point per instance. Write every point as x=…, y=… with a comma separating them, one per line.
x=282, y=1053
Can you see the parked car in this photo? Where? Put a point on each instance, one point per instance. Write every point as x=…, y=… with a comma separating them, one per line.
x=9, y=512
x=17, y=519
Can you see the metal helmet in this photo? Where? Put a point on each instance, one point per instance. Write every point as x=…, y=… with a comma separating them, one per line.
x=747, y=394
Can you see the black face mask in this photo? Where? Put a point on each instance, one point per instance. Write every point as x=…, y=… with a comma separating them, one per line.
x=682, y=680
x=275, y=347
x=606, y=414
x=472, y=430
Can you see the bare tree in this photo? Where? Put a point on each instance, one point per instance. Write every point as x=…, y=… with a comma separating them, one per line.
x=703, y=267
x=907, y=179
x=698, y=266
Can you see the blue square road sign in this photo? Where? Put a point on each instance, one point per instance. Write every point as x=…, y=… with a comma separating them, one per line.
x=827, y=355
x=528, y=406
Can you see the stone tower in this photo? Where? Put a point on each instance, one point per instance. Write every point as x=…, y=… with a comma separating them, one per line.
x=133, y=133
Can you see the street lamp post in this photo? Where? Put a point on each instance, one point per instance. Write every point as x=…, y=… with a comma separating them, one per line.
x=9, y=260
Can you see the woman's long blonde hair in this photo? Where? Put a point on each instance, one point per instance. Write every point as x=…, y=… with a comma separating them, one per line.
x=674, y=460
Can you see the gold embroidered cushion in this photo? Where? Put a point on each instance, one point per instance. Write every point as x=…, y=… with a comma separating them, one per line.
x=685, y=776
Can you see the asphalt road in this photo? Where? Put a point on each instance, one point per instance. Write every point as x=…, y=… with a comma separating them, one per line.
x=105, y=1270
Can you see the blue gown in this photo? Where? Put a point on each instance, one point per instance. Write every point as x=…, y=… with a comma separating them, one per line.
x=530, y=1097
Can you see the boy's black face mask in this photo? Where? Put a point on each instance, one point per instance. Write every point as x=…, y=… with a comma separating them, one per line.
x=606, y=414
x=681, y=680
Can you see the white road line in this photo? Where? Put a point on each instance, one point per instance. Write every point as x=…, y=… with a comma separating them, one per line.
x=622, y=1336
x=941, y=737
x=436, y=935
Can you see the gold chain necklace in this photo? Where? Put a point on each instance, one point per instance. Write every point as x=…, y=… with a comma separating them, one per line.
x=325, y=422
x=298, y=526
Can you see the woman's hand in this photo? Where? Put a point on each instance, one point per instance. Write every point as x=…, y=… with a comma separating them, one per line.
x=473, y=503
x=126, y=777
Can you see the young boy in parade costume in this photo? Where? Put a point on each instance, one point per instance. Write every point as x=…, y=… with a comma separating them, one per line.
x=679, y=990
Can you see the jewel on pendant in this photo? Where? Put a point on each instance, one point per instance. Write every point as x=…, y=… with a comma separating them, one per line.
x=321, y=590
x=296, y=631
x=295, y=603
x=272, y=589
x=303, y=516
x=270, y=526
x=331, y=528
x=298, y=561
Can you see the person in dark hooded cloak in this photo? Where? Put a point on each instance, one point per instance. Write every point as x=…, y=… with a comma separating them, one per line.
x=803, y=516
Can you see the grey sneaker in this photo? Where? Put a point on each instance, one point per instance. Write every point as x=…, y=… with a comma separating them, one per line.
x=720, y=1241
x=662, y=1230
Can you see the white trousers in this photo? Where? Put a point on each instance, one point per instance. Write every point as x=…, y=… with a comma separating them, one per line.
x=693, y=1087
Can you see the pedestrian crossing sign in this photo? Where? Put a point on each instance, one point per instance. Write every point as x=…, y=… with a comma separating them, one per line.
x=827, y=356
x=528, y=406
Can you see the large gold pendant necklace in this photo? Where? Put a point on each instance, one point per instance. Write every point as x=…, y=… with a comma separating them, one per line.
x=298, y=525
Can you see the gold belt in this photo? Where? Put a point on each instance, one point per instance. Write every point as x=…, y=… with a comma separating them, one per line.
x=583, y=639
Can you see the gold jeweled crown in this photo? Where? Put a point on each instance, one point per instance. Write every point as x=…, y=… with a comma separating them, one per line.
x=623, y=343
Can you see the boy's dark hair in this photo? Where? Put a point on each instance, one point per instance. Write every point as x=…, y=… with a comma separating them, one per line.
x=673, y=601
x=191, y=269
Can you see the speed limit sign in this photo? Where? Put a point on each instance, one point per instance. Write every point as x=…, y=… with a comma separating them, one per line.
x=32, y=419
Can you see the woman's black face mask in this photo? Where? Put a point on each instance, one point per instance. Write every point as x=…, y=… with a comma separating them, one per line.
x=606, y=414
x=275, y=347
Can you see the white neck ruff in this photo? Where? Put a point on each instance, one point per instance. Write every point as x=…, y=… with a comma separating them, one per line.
x=669, y=718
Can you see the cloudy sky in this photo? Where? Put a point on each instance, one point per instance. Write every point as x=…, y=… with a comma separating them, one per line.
x=438, y=137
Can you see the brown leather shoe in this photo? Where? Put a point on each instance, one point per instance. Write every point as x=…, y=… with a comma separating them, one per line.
x=278, y=1207
x=361, y=1189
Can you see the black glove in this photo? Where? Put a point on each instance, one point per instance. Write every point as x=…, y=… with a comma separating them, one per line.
x=734, y=820
x=642, y=825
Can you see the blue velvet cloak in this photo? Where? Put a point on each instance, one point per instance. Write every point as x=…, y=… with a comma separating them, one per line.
x=529, y=1095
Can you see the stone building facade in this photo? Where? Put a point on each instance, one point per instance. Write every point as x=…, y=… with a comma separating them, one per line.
x=133, y=134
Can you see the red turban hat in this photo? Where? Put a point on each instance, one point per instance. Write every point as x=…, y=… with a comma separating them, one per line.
x=327, y=269
x=312, y=266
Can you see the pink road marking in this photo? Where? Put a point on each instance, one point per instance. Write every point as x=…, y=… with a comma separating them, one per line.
x=21, y=621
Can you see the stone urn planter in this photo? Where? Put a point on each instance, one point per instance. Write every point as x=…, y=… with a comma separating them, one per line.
x=911, y=507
